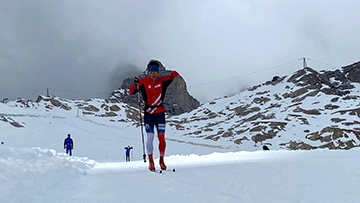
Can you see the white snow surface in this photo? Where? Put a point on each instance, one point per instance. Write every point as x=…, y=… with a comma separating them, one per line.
x=34, y=167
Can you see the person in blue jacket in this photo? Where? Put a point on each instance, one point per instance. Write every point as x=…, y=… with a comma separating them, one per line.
x=68, y=145
x=128, y=148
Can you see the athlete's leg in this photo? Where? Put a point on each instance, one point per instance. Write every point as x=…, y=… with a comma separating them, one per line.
x=149, y=126
x=162, y=143
x=160, y=125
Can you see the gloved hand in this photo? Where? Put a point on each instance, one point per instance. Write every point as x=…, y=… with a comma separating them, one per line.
x=174, y=74
x=136, y=81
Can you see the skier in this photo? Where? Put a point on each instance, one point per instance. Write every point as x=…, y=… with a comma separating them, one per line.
x=153, y=90
x=128, y=148
x=68, y=145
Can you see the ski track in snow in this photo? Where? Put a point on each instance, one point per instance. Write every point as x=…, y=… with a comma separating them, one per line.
x=271, y=176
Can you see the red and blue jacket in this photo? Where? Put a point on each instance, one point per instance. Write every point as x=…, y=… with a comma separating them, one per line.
x=153, y=92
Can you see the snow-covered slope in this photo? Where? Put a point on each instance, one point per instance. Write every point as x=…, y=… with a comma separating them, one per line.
x=96, y=124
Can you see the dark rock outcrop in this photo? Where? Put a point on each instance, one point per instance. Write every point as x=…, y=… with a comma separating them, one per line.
x=177, y=99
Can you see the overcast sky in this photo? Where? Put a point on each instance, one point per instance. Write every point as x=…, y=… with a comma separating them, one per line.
x=83, y=48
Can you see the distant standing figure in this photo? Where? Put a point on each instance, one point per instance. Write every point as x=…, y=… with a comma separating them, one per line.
x=68, y=145
x=265, y=147
x=128, y=148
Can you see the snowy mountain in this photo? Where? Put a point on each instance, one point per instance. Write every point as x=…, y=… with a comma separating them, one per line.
x=307, y=110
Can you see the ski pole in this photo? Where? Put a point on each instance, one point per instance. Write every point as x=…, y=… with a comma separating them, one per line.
x=141, y=125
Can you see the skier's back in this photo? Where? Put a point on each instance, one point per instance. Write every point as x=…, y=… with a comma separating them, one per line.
x=68, y=145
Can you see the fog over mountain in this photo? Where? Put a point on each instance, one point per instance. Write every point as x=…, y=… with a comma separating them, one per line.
x=82, y=49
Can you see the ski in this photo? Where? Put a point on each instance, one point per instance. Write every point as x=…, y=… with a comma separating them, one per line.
x=161, y=171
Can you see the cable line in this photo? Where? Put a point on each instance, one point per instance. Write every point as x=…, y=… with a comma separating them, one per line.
x=322, y=63
x=273, y=67
x=87, y=92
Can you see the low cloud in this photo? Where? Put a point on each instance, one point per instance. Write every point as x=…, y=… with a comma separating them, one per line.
x=83, y=49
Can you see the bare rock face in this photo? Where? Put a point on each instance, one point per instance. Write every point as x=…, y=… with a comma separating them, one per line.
x=177, y=99
x=352, y=72
x=329, y=82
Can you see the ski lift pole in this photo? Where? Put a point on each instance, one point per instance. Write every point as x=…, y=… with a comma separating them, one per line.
x=141, y=125
x=131, y=157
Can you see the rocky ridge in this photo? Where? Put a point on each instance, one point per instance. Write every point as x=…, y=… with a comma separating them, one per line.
x=109, y=110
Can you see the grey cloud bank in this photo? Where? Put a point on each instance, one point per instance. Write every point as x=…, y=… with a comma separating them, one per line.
x=83, y=49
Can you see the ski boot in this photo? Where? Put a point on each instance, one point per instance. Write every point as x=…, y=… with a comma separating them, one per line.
x=151, y=163
x=162, y=164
